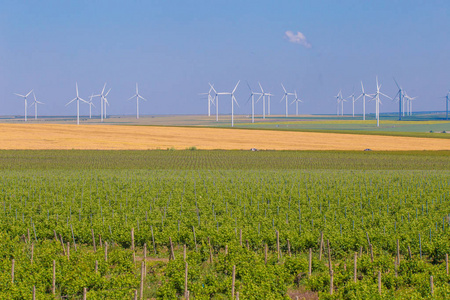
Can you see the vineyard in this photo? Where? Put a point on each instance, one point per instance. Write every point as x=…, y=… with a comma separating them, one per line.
x=224, y=225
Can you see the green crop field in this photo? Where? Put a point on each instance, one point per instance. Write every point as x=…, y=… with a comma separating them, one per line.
x=277, y=224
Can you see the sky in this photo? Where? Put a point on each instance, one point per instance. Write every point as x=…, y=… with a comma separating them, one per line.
x=174, y=48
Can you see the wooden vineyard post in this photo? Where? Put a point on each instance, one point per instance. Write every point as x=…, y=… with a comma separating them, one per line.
x=331, y=282
x=233, y=281
x=278, y=245
x=310, y=262
x=409, y=252
x=446, y=263
x=237, y=295
x=34, y=292
x=172, y=254
x=320, y=245
x=13, y=262
x=135, y=295
x=100, y=240
x=329, y=257
x=134, y=257
x=145, y=258
x=141, y=286
x=84, y=293
x=226, y=249
x=54, y=278
x=398, y=252
x=56, y=237
x=186, y=292
x=68, y=251
x=289, y=248
x=132, y=239
x=379, y=282
x=265, y=253
x=431, y=285
x=184, y=252
x=28, y=235
x=96, y=266
x=355, y=267
x=106, y=251
x=395, y=267
x=93, y=240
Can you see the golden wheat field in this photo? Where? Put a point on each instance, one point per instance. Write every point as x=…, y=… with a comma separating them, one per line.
x=121, y=137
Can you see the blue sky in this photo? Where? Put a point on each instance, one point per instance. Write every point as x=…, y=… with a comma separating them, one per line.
x=174, y=48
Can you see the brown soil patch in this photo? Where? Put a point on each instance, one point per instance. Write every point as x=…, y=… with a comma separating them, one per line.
x=121, y=137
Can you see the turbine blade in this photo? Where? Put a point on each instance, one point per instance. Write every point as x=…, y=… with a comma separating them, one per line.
x=142, y=98
x=262, y=91
x=29, y=93
x=71, y=101
x=235, y=87
x=284, y=88
x=19, y=95
x=132, y=97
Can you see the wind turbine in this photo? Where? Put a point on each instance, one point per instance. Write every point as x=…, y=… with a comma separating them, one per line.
x=339, y=99
x=401, y=98
x=409, y=100
x=252, y=97
x=90, y=105
x=296, y=101
x=137, y=96
x=78, y=99
x=233, y=100
x=447, y=99
x=216, y=101
x=35, y=103
x=105, y=102
x=25, y=99
x=102, y=97
x=363, y=94
x=263, y=94
x=210, y=100
x=376, y=97
x=352, y=97
x=286, y=94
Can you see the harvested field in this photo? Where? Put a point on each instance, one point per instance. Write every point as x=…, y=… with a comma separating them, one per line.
x=121, y=137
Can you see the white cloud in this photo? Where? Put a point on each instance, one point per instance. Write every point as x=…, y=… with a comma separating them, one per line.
x=297, y=38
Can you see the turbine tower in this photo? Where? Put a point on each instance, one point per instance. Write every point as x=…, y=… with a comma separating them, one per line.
x=25, y=99
x=263, y=94
x=339, y=100
x=210, y=100
x=216, y=101
x=137, y=96
x=364, y=95
x=90, y=105
x=401, y=98
x=352, y=97
x=105, y=102
x=447, y=99
x=78, y=99
x=35, y=103
x=285, y=96
x=102, y=98
x=252, y=97
x=233, y=100
x=296, y=101
x=377, y=99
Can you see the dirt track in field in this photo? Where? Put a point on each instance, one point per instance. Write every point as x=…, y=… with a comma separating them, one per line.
x=122, y=137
